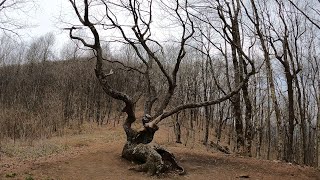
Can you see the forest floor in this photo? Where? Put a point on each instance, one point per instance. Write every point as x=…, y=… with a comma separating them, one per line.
x=96, y=154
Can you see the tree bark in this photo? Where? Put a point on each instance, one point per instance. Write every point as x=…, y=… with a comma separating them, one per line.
x=318, y=127
x=177, y=129
x=236, y=99
x=268, y=121
x=291, y=116
x=151, y=158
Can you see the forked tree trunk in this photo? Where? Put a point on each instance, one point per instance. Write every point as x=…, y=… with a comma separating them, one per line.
x=151, y=158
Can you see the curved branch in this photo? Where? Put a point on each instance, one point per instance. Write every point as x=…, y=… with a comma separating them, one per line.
x=78, y=38
x=100, y=74
x=205, y=103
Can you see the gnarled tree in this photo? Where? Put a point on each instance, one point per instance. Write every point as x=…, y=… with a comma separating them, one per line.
x=154, y=159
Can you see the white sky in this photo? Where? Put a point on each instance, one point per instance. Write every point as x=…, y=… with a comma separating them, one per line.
x=45, y=18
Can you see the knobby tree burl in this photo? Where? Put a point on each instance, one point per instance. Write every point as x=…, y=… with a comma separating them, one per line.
x=151, y=158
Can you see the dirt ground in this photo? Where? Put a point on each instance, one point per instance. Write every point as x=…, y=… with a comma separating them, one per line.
x=96, y=157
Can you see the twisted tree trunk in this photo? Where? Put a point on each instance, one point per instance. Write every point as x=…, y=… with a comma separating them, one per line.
x=151, y=158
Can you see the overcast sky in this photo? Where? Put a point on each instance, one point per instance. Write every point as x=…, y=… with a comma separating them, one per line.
x=45, y=18
x=48, y=15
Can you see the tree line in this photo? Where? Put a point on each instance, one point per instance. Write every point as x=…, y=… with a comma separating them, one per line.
x=242, y=73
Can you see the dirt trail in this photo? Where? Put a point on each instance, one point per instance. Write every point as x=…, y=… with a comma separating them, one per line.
x=107, y=164
x=103, y=164
x=101, y=160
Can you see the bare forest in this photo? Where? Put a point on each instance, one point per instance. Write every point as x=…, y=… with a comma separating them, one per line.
x=242, y=77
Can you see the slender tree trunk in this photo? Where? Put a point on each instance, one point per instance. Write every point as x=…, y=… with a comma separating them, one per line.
x=276, y=109
x=206, y=128
x=238, y=120
x=236, y=101
x=206, y=109
x=318, y=128
x=248, y=120
x=261, y=125
x=240, y=70
x=291, y=116
x=268, y=121
x=291, y=111
x=177, y=128
x=303, y=123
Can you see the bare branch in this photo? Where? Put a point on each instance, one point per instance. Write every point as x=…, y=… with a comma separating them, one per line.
x=206, y=103
x=303, y=13
x=78, y=38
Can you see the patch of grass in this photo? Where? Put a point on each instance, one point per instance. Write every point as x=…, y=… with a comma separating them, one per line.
x=11, y=175
x=46, y=147
x=36, y=151
x=29, y=178
x=32, y=151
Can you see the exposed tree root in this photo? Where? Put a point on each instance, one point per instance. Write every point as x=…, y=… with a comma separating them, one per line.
x=151, y=158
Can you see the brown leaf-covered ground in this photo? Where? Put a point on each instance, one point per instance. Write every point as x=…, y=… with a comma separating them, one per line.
x=96, y=155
